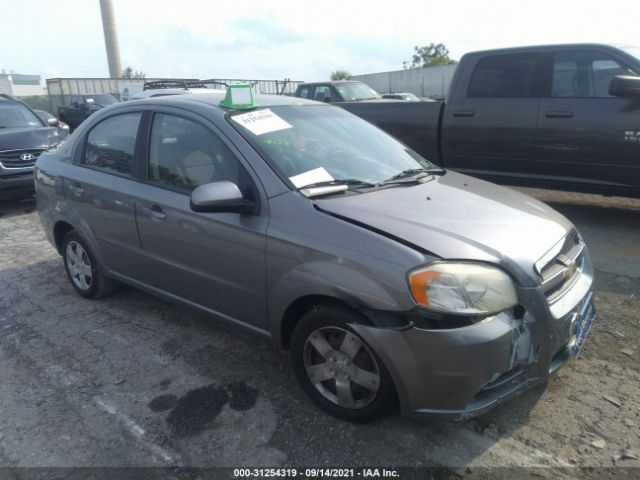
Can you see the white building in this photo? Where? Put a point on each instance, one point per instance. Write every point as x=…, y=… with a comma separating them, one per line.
x=19, y=85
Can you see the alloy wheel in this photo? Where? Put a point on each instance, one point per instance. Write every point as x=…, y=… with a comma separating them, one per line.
x=341, y=367
x=79, y=265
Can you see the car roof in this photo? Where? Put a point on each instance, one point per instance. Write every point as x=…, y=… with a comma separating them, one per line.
x=214, y=99
x=331, y=82
x=160, y=92
x=527, y=48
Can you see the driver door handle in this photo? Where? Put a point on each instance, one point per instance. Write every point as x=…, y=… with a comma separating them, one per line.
x=464, y=113
x=154, y=211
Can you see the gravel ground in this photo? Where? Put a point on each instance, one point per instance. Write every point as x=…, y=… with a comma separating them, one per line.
x=134, y=381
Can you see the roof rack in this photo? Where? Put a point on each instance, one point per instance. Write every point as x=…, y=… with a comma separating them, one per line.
x=157, y=84
x=183, y=84
x=211, y=81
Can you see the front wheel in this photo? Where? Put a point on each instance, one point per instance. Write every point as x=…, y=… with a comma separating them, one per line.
x=336, y=367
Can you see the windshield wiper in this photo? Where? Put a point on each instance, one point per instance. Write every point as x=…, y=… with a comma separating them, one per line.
x=412, y=175
x=339, y=181
x=332, y=186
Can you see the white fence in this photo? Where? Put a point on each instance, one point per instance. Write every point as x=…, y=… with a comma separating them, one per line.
x=423, y=82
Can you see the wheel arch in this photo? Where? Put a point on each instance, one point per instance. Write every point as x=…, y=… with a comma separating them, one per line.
x=298, y=308
x=60, y=230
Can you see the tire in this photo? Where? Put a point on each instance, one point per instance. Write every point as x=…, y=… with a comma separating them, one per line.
x=82, y=268
x=355, y=387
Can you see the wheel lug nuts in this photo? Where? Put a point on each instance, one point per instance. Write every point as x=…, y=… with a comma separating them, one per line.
x=332, y=372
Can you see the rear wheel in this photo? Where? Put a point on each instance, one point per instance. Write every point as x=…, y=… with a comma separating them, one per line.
x=336, y=367
x=82, y=268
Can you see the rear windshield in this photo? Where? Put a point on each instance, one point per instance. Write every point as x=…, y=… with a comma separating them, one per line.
x=16, y=115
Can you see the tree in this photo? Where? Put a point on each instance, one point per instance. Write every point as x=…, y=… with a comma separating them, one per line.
x=130, y=73
x=340, y=75
x=431, y=55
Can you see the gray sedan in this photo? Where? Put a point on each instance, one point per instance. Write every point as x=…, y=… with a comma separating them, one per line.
x=390, y=280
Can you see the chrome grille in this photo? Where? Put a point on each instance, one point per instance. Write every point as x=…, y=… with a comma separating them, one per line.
x=11, y=158
x=561, y=272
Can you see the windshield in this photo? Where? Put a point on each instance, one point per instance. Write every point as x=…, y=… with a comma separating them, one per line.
x=16, y=115
x=102, y=100
x=44, y=115
x=311, y=144
x=356, y=91
x=635, y=51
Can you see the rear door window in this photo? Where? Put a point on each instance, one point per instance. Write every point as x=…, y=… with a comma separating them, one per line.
x=111, y=144
x=322, y=93
x=304, y=92
x=505, y=76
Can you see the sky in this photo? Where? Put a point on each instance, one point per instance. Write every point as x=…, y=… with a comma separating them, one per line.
x=301, y=40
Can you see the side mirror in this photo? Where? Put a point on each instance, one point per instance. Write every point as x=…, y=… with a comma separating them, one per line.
x=328, y=100
x=223, y=196
x=52, y=122
x=625, y=86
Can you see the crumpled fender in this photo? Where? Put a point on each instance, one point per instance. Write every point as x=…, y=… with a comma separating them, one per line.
x=330, y=279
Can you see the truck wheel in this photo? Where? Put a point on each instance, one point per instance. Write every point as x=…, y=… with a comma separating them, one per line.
x=82, y=268
x=336, y=367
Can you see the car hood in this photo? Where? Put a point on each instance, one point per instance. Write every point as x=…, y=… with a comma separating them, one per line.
x=28, y=138
x=454, y=216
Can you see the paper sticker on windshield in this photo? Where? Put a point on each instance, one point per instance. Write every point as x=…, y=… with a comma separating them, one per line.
x=312, y=176
x=261, y=122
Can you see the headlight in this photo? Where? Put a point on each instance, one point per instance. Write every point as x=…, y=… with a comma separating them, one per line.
x=462, y=288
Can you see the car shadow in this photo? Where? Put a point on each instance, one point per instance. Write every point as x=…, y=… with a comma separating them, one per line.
x=13, y=205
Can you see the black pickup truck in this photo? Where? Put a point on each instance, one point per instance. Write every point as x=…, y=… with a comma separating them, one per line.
x=561, y=116
x=81, y=106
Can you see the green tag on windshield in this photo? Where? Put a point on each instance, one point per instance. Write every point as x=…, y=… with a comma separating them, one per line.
x=239, y=96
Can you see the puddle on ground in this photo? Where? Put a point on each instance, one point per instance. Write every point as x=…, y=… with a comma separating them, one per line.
x=163, y=403
x=193, y=413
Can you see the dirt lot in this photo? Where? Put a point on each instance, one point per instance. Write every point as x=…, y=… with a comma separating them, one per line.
x=132, y=380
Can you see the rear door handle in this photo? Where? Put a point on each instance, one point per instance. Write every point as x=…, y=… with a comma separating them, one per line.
x=76, y=188
x=464, y=113
x=155, y=211
x=559, y=114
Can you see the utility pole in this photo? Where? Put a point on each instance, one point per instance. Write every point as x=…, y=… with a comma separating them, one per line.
x=111, y=39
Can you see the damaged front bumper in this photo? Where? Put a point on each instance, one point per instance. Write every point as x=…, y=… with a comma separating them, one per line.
x=464, y=372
